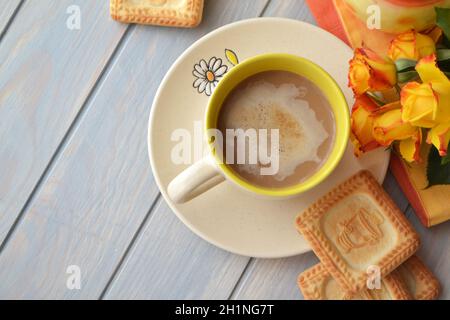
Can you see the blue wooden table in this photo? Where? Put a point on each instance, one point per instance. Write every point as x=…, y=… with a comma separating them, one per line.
x=76, y=187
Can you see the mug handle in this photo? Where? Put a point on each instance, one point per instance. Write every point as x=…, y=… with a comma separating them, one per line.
x=198, y=178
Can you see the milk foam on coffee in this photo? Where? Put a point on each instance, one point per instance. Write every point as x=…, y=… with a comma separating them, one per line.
x=263, y=105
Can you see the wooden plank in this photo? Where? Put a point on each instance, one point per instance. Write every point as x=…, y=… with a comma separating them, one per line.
x=294, y=9
x=47, y=72
x=99, y=192
x=169, y=262
x=7, y=11
x=434, y=250
x=273, y=278
x=393, y=189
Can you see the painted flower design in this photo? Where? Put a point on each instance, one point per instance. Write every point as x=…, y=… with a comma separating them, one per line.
x=207, y=74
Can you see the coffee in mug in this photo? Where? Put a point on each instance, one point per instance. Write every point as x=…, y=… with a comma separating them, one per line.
x=280, y=100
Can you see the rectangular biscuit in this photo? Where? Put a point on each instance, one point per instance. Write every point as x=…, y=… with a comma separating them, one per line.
x=317, y=283
x=171, y=13
x=392, y=288
x=421, y=282
x=356, y=226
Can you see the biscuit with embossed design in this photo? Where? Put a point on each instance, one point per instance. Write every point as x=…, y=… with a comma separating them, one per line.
x=171, y=13
x=317, y=283
x=421, y=282
x=356, y=226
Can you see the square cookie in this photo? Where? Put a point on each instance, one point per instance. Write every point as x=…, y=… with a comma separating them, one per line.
x=171, y=13
x=421, y=282
x=317, y=283
x=357, y=226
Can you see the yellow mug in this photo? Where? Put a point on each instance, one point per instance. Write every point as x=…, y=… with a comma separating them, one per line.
x=211, y=170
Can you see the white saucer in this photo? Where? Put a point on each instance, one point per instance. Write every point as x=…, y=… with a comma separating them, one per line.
x=225, y=216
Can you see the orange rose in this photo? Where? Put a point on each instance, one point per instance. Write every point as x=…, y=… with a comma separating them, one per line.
x=410, y=148
x=362, y=125
x=369, y=72
x=411, y=45
x=389, y=126
x=439, y=136
x=419, y=104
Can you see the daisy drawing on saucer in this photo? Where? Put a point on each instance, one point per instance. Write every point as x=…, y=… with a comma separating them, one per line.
x=207, y=74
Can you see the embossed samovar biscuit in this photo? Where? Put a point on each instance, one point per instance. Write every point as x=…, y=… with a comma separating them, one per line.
x=317, y=283
x=356, y=226
x=420, y=281
x=171, y=13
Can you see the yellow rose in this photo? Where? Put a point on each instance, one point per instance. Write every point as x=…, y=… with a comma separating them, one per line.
x=427, y=104
x=429, y=71
x=410, y=148
x=389, y=126
x=362, y=125
x=419, y=104
x=439, y=136
x=369, y=72
x=411, y=45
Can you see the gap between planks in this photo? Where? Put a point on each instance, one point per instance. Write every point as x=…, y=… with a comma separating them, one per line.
x=10, y=20
x=130, y=246
x=69, y=133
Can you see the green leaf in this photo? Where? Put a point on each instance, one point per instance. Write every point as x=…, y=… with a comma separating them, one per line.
x=376, y=98
x=438, y=170
x=443, y=20
x=443, y=54
x=444, y=65
x=408, y=76
x=403, y=65
x=446, y=42
x=445, y=160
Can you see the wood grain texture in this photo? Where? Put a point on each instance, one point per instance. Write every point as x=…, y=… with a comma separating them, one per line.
x=273, y=278
x=7, y=10
x=47, y=71
x=169, y=262
x=96, y=206
x=393, y=189
x=294, y=9
x=100, y=190
x=434, y=250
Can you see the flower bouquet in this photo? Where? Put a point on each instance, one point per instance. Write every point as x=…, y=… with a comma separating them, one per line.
x=402, y=101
